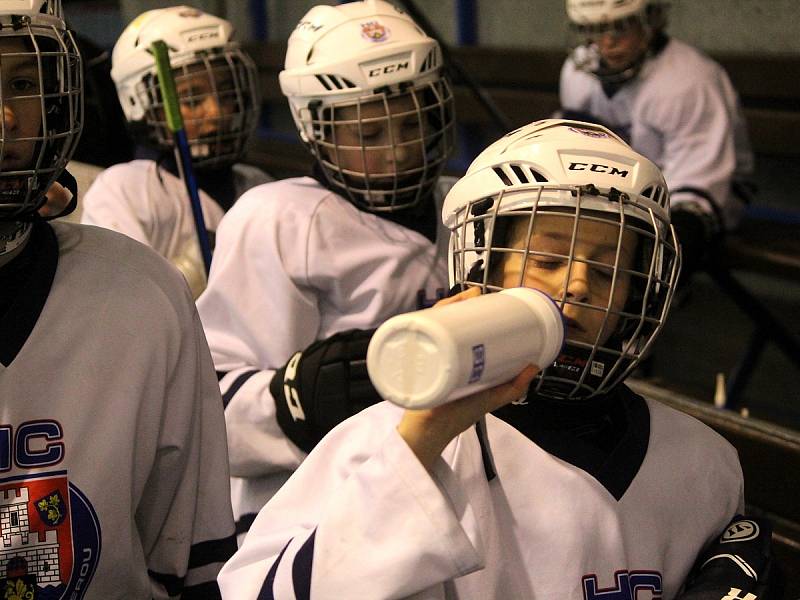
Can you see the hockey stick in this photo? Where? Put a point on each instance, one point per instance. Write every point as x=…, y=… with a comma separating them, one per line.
x=183, y=156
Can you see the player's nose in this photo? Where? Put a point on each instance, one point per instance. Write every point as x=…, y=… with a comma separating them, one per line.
x=9, y=119
x=577, y=288
x=208, y=114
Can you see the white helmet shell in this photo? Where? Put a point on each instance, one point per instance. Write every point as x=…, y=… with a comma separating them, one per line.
x=556, y=151
x=185, y=30
x=197, y=41
x=337, y=53
x=361, y=53
x=575, y=173
x=597, y=12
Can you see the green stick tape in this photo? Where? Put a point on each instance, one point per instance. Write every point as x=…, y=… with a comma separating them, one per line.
x=167, y=84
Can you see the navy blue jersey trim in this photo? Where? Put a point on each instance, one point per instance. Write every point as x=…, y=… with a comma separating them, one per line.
x=245, y=522
x=267, y=592
x=211, y=551
x=301, y=568
x=172, y=583
x=235, y=386
x=486, y=457
x=202, y=591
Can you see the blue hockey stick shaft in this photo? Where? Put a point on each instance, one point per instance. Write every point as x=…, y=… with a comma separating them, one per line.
x=183, y=156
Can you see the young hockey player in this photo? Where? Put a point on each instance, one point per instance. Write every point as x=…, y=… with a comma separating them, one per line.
x=577, y=488
x=672, y=103
x=216, y=85
x=303, y=266
x=113, y=466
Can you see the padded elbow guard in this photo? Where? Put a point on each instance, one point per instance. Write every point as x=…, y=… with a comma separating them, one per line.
x=322, y=386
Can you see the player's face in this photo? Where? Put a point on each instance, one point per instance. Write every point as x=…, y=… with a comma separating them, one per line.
x=378, y=139
x=21, y=104
x=208, y=99
x=620, y=46
x=586, y=282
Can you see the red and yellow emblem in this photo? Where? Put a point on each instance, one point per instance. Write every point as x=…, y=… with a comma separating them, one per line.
x=374, y=31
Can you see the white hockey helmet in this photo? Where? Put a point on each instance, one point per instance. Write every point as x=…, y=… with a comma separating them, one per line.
x=200, y=46
x=592, y=19
x=561, y=178
x=42, y=103
x=363, y=53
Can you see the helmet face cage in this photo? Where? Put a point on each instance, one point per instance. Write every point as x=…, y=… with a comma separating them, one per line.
x=409, y=129
x=41, y=87
x=639, y=288
x=219, y=103
x=583, y=43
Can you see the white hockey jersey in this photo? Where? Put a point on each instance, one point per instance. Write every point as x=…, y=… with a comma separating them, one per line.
x=295, y=263
x=681, y=112
x=150, y=204
x=113, y=466
x=361, y=518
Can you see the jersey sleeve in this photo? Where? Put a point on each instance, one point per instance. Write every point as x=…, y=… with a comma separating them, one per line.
x=359, y=519
x=184, y=516
x=574, y=88
x=699, y=153
x=258, y=310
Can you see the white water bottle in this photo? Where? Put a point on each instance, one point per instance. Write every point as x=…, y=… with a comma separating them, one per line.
x=429, y=357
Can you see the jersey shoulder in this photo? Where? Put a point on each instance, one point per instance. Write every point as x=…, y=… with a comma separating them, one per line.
x=286, y=201
x=132, y=171
x=681, y=68
x=678, y=432
x=123, y=270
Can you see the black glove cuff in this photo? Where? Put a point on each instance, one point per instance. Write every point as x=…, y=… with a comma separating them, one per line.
x=322, y=386
x=289, y=411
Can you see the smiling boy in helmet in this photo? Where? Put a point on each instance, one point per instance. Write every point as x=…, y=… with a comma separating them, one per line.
x=577, y=488
x=305, y=268
x=216, y=83
x=671, y=103
x=109, y=402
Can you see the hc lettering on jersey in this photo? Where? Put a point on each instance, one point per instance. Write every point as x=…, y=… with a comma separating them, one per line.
x=628, y=586
x=35, y=444
x=735, y=594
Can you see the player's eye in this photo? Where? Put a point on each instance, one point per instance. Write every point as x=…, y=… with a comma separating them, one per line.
x=370, y=133
x=548, y=263
x=22, y=86
x=604, y=273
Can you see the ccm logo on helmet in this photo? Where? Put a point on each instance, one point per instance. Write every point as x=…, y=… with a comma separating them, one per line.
x=386, y=69
x=579, y=166
x=203, y=35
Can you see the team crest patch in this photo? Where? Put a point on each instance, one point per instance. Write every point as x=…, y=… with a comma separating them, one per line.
x=588, y=132
x=50, y=538
x=374, y=31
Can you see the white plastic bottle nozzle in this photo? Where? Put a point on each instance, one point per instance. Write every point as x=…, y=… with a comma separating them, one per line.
x=429, y=357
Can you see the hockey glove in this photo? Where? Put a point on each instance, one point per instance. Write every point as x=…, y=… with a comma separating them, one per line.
x=322, y=386
x=738, y=565
x=696, y=233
